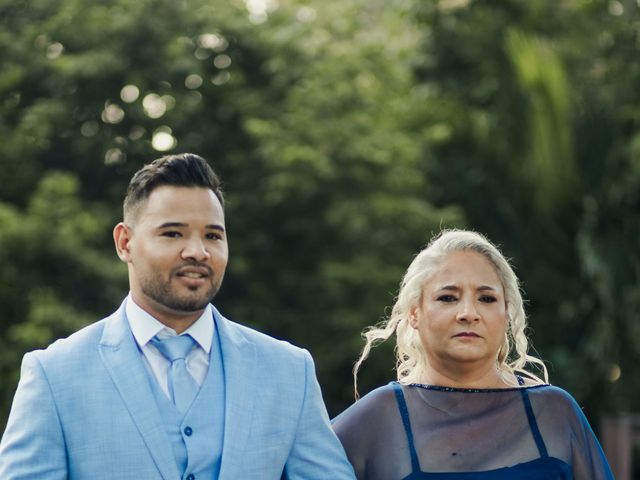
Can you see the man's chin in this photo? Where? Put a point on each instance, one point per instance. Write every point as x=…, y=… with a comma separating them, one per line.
x=189, y=303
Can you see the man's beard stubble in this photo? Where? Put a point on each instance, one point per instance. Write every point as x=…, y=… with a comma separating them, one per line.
x=165, y=295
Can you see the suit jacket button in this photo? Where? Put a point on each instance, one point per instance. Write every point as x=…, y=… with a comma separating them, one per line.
x=191, y=476
x=188, y=431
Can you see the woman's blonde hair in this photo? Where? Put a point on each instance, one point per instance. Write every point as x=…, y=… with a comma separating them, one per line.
x=411, y=359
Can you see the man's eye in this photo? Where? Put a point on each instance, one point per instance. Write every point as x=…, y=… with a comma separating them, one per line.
x=213, y=236
x=446, y=298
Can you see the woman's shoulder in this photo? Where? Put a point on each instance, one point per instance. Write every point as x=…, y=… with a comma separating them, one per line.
x=377, y=403
x=369, y=427
x=551, y=398
x=550, y=392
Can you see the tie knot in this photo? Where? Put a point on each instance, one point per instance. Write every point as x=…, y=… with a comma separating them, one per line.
x=174, y=348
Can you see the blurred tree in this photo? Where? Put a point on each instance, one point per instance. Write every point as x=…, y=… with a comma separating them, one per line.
x=302, y=108
x=346, y=133
x=337, y=175
x=56, y=277
x=537, y=127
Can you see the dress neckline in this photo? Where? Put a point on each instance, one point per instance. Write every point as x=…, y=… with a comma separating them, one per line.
x=439, y=388
x=554, y=465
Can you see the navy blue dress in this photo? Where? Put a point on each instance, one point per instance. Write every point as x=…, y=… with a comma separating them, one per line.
x=415, y=432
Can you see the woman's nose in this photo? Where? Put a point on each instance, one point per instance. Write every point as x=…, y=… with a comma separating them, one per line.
x=468, y=311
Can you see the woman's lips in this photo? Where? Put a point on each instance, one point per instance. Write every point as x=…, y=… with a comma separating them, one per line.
x=467, y=334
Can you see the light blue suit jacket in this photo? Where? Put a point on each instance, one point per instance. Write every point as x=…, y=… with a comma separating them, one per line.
x=84, y=410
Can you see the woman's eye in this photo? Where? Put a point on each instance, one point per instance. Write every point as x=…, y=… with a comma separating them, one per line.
x=171, y=234
x=446, y=298
x=213, y=236
x=488, y=299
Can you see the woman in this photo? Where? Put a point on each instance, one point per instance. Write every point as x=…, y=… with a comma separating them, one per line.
x=464, y=407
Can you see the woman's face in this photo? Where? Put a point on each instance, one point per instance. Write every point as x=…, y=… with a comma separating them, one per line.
x=462, y=317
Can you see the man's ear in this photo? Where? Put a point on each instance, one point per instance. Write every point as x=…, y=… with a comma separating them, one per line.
x=122, y=239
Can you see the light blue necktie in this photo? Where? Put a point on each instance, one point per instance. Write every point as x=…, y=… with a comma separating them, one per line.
x=182, y=386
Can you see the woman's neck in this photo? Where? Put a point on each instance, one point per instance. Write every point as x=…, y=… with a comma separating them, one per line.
x=465, y=378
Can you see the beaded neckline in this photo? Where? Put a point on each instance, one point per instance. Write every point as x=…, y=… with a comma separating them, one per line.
x=439, y=388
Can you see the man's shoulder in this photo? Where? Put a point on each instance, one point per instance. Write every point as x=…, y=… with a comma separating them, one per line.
x=75, y=346
x=263, y=342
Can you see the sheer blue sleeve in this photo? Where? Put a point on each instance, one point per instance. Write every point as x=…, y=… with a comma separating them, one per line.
x=410, y=432
x=576, y=442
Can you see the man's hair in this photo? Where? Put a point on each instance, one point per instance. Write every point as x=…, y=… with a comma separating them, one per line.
x=181, y=170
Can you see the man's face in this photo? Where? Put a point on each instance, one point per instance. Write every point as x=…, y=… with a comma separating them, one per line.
x=176, y=251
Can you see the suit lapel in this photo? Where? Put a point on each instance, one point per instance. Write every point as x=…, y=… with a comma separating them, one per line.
x=121, y=357
x=238, y=358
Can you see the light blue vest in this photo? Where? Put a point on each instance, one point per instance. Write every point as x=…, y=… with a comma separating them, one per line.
x=196, y=437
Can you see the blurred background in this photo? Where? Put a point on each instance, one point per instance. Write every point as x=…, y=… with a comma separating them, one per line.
x=347, y=133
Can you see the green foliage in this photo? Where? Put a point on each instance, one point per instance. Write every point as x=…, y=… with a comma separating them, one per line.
x=58, y=275
x=346, y=133
x=542, y=159
x=541, y=75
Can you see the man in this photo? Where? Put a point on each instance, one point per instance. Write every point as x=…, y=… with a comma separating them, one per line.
x=115, y=400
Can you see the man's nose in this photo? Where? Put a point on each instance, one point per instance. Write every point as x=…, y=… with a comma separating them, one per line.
x=195, y=249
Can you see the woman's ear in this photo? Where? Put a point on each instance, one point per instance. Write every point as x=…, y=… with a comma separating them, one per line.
x=413, y=317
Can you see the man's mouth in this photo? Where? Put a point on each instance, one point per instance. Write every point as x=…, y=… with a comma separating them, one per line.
x=193, y=274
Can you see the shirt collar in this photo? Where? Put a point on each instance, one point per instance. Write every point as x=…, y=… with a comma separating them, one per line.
x=144, y=326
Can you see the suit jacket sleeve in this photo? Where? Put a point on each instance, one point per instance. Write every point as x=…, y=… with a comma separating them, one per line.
x=316, y=452
x=33, y=443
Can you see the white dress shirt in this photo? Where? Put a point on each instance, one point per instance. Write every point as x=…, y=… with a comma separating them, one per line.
x=144, y=327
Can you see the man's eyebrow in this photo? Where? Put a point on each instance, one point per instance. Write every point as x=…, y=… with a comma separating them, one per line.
x=172, y=225
x=182, y=225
